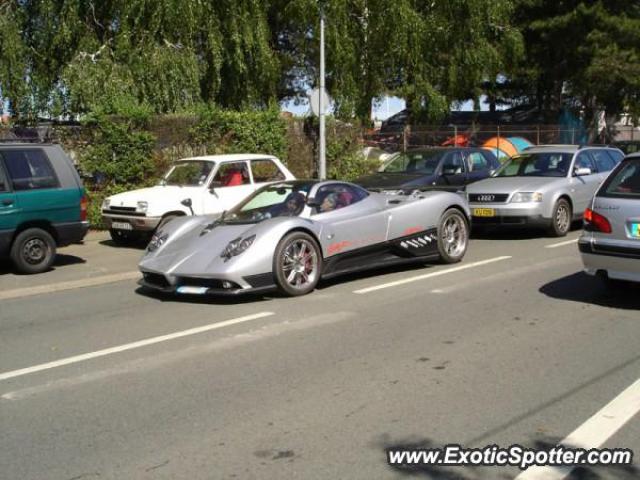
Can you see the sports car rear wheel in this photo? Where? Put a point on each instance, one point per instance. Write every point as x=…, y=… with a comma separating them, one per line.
x=297, y=264
x=453, y=236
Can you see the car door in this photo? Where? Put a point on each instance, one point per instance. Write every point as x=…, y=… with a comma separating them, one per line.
x=584, y=186
x=479, y=166
x=604, y=163
x=230, y=185
x=264, y=171
x=39, y=195
x=349, y=225
x=452, y=172
x=8, y=208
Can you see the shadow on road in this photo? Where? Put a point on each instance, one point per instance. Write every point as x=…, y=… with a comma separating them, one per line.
x=61, y=260
x=580, y=287
x=514, y=233
x=204, y=299
x=436, y=472
x=415, y=266
x=133, y=245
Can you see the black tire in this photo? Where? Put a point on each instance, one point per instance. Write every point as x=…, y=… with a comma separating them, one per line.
x=123, y=237
x=453, y=236
x=561, y=219
x=33, y=251
x=300, y=274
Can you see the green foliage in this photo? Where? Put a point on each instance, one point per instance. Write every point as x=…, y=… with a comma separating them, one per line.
x=581, y=52
x=345, y=158
x=255, y=131
x=119, y=153
x=67, y=57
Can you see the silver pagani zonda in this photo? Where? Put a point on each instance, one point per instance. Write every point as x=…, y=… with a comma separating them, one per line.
x=291, y=234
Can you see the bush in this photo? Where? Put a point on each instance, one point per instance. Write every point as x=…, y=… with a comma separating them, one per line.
x=256, y=131
x=345, y=154
x=118, y=157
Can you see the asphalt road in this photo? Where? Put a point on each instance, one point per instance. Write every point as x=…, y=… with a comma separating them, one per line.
x=517, y=347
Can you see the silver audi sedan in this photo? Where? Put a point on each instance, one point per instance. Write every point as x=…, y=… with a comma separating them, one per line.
x=544, y=186
x=610, y=242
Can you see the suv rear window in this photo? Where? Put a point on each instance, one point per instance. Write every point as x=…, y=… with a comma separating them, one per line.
x=29, y=169
x=624, y=181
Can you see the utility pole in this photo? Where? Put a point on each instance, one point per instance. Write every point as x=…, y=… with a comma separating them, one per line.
x=322, y=160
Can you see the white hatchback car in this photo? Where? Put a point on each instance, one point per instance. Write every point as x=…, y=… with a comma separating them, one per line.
x=192, y=186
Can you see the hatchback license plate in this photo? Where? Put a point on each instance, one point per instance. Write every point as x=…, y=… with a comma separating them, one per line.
x=635, y=230
x=121, y=226
x=484, y=212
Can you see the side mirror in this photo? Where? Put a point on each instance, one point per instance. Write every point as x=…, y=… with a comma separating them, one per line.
x=188, y=203
x=213, y=186
x=580, y=172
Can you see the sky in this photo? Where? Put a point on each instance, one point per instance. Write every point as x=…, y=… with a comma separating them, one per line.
x=388, y=107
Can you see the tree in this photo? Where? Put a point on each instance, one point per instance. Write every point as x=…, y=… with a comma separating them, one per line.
x=73, y=56
x=431, y=53
x=581, y=53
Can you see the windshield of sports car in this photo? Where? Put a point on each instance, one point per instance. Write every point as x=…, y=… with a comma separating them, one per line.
x=423, y=162
x=191, y=173
x=279, y=200
x=544, y=164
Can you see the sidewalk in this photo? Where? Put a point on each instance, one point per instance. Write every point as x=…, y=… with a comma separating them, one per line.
x=96, y=257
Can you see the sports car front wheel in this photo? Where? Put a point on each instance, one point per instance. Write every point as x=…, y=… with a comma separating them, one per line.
x=297, y=264
x=453, y=236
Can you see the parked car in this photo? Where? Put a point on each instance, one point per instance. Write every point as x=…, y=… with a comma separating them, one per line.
x=545, y=187
x=290, y=234
x=212, y=184
x=42, y=204
x=610, y=242
x=628, y=146
x=434, y=168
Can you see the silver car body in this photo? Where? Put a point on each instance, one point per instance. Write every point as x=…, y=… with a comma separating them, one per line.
x=376, y=230
x=615, y=254
x=496, y=194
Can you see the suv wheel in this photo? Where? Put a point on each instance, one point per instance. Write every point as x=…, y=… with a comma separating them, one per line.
x=33, y=251
x=561, y=219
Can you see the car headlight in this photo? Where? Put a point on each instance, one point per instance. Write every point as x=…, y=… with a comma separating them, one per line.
x=142, y=207
x=106, y=203
x=526, y=197
x=237, y=246
x=158, y=239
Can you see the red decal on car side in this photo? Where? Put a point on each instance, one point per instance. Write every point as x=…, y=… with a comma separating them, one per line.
x=338, y=247
x=412, y=230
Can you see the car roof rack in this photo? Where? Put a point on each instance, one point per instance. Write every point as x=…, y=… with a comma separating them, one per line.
x=23, y=140
x=585, y=145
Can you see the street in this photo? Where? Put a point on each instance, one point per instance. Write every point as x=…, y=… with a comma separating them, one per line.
x=515, y=345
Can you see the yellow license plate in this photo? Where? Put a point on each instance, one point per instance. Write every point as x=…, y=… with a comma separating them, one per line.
x=484, y=212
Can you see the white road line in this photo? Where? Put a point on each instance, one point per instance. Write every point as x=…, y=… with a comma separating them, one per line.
x=131, y=346
x=431, y=275
x=562, y=244
x=594, y=432
x=70, y=285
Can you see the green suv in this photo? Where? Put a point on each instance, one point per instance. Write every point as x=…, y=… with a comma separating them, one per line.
x=42, y=204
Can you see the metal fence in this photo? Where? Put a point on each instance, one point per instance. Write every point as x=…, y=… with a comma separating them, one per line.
x=474, y=135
